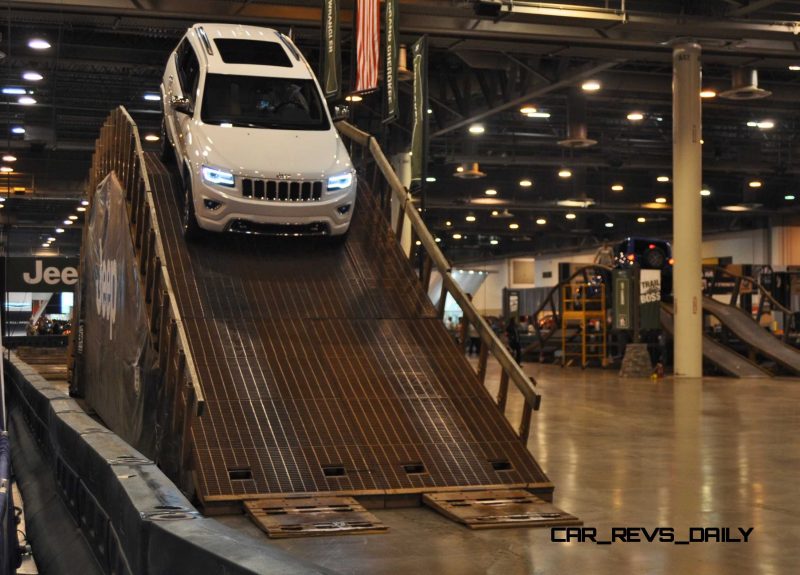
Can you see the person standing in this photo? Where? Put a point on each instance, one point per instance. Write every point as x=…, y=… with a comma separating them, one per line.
x=512, y=335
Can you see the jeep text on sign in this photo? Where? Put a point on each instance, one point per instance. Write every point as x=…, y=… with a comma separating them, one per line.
x=42, y=274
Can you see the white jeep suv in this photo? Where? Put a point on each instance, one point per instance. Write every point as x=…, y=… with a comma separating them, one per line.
x=247, y=123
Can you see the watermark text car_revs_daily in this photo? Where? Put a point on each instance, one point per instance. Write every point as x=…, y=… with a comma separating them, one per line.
x=651, y=535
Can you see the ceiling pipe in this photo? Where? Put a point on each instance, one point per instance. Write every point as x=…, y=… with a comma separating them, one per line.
x=577, y=130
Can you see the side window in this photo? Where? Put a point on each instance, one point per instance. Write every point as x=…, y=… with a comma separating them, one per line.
x=188, y=69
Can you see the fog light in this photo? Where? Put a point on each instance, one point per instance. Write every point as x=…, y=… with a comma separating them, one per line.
x=343, y=209
x=211, y=204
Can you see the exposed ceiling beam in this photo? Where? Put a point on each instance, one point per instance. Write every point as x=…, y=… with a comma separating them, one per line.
x=751, y=7
x=581, y=74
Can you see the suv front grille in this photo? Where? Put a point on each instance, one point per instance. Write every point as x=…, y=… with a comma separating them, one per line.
x=282, y=190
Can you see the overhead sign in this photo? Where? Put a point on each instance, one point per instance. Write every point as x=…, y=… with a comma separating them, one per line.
x=41, y=275
x=390, y=59
x=331, y=50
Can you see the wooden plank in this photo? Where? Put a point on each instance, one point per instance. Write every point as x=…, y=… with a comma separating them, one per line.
x=307, y=516
x=498, y=508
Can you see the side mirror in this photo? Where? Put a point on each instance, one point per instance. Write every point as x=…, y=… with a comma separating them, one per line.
x=182, y=105
x=340, y=113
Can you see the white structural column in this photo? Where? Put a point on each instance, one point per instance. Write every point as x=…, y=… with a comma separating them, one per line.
x=687, y=173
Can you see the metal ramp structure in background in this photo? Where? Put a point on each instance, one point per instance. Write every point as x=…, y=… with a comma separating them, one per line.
x=743, y=326
x=721, y=356
x=297, y=367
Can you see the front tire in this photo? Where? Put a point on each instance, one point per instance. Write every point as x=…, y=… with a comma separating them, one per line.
x=191, y=229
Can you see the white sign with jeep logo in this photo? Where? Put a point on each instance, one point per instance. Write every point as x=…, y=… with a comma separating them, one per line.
x=41, y=275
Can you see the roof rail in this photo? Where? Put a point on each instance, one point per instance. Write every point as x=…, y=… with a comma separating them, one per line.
x=204, y=39
x=289, y=45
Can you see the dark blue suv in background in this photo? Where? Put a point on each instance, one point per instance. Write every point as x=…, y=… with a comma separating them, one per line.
x=650, y=254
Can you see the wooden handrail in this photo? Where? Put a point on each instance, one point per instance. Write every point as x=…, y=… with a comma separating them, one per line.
x=522, y=381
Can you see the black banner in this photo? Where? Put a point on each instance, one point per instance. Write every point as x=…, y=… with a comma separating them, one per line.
x=41, y=275
x=331, y=50
x=119, y=366
x=390, y=61
x=420, y=52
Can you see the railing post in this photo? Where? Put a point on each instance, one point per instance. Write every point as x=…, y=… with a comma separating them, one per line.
x=483, y=356
x=502, y=392
x=525, y=423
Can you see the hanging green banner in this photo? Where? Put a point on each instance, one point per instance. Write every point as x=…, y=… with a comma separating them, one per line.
x=420, y=52
x=331, y=51
x=390, y=60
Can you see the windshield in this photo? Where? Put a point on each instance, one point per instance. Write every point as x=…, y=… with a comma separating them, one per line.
x=263, y=102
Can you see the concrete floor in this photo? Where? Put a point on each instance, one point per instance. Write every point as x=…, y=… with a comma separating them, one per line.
x=716, y=452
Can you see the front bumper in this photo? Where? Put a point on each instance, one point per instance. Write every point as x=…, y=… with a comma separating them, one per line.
x=219, y=209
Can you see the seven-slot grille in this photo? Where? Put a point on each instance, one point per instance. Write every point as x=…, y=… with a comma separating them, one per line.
x=282, y=190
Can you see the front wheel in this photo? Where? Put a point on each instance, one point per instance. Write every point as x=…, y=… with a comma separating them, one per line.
x=191, y=230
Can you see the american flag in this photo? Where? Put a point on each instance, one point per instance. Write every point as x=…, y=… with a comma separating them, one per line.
x=368, y=32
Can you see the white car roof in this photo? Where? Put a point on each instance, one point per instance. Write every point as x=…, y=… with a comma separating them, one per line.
x=299, y=68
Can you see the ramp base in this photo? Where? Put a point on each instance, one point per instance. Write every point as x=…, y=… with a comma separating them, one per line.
x=307, y=516
x=496, y=508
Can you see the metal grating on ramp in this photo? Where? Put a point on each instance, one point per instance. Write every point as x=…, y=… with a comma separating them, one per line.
x=326, y=370
x=498, y=508
x=308, y=516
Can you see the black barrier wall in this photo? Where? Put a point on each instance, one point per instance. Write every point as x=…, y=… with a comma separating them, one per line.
x=134, y=519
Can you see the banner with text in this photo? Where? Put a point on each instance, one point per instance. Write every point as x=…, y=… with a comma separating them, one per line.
x=368, y=33
x=41, y=275
x=390, y=61
x=331, y=50
x=650, y=299
x=420, y=52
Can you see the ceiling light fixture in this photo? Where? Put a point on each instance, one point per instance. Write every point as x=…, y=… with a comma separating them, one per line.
x=705, y=192
x=526, y=183
x=570, y=216
x=609, y=224
x=755, y=183
x=14, y=91
x=9, y=158
x=513, y=226
x=59, y=230
x=635, y=116
x=661, y=200
x=494, y=242
x=460, y=169
x=470, y=218
x=150, y=97
x=538, y=115
x=6, y=169
x=457, y=236
x=17, y=130
x=26, y=100
x=617, y=187
x=51, y=239
x=73, y=217
x=84, y=202
x=740, y=207
x=430, y=111
x=528, y=110
x=708, y=93
x=152, y=138
x=491, y=192
x=564, y=173
x=80, y=209
x=477, y=129
x=590, y=86
x=662, y=179
x=641, y=220
x=32, y=76
x=448, y=223
x=788, y=197
x=430, y=179
x=354, y=98
x=794, y=67
x=38, y=44
x=576, y=202
x=67, y=222
x=541, y=221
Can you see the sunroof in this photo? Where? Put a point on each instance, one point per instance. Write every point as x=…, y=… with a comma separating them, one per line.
x=255, y=52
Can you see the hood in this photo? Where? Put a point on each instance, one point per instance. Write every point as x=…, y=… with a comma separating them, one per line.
x=265, y=153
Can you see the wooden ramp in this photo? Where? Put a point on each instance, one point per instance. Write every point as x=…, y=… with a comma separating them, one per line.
x=498, y=508
x=310, y=516
x=326, y=372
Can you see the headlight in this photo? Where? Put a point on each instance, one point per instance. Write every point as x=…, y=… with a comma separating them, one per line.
x=217, y=177
x=340, y=181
